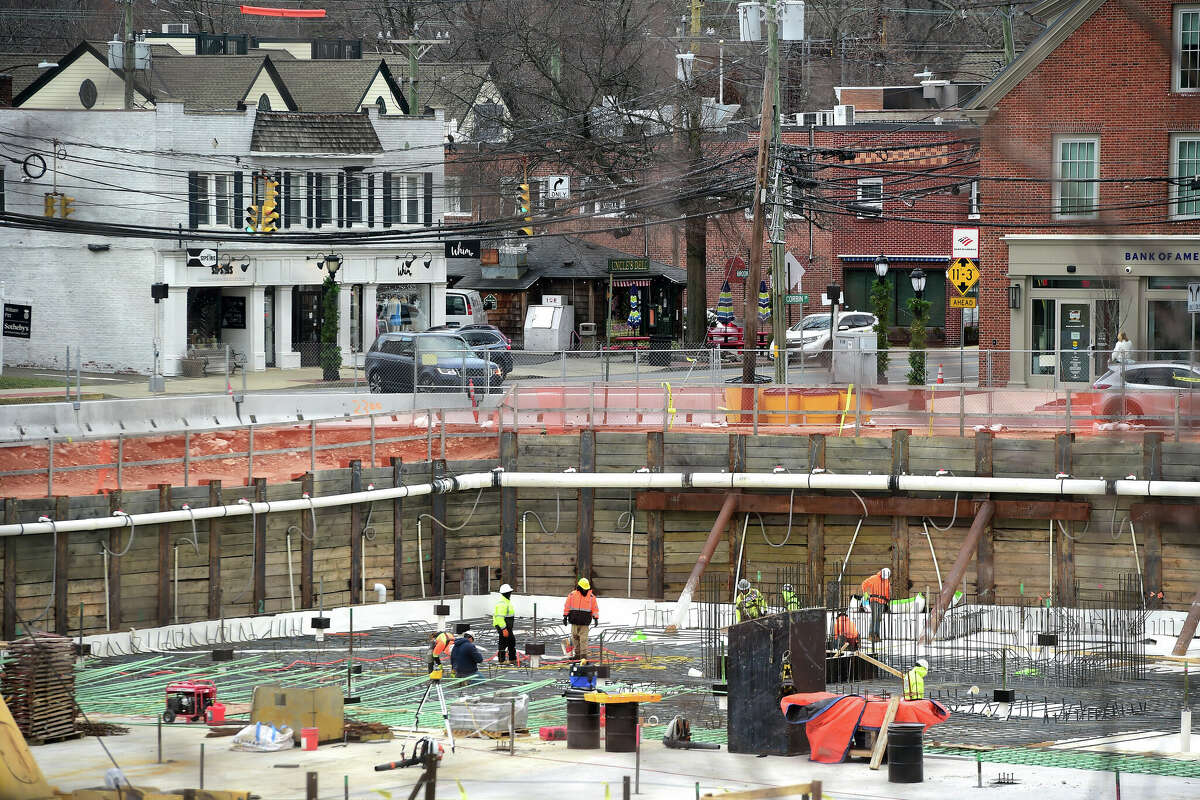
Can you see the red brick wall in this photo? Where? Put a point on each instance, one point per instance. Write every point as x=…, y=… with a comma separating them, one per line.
x=1110, y=78
x=863, y=99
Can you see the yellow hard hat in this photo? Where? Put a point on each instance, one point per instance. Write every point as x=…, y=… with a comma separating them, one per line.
x=584, y=583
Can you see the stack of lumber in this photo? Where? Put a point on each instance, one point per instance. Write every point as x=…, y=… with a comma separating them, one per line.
x=39, y=687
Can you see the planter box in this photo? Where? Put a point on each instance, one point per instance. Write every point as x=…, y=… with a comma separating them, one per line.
x=192, y=367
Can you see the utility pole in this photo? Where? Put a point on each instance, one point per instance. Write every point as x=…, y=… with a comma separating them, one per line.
x=696, y=225
x=129, y=45
x=778, y=309
x=757, y=230
x=412, y=47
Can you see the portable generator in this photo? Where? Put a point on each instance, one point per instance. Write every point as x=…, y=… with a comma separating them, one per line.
x=190, y=701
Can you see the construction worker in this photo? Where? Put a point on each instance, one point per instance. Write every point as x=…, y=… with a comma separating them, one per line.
x=845, y=632
x=502, y=620
x=790, y=601
x=914, y=680
x=466, y=658
x=440, y=644
x=878, y=589
x=579, y=612
x=749, y=602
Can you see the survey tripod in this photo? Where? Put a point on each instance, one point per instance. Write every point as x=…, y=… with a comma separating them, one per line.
x=435, y=683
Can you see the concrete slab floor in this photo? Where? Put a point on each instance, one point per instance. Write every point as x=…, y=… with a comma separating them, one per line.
x=550, y=770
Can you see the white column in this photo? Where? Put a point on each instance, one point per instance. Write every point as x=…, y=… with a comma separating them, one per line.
x=369, y=298
x=437, y=304
x=285, y=356
x=344, y=297
x=256, y=329
x=173, y=329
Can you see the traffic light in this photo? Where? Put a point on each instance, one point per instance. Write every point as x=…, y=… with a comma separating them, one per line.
x=524, y=210
x=252, y=219
x=66, y=206
x=269, y=214
x=48, y=204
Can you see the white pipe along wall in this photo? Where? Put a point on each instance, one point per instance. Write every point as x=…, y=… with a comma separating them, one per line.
x=498, y=478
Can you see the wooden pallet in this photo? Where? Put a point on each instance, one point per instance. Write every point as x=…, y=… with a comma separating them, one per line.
x=39, y=687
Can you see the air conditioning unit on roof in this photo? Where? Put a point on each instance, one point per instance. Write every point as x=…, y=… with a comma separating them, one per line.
x=843, y=115
x=808, y=119
x=176, y=27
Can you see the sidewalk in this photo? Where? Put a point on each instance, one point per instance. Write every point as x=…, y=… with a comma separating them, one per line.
x=268, y=380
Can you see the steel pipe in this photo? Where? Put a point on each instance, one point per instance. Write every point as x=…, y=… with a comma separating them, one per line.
x=710, y=546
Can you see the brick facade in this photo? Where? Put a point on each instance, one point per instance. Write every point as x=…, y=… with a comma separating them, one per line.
x=1110, y=78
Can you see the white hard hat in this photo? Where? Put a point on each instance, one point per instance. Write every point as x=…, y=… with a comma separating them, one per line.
x=743, y=585
x=885, y=573
x=504, y=587
x=922, y=663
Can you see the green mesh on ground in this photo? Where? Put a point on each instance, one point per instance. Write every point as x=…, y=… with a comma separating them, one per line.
x=1074, y=759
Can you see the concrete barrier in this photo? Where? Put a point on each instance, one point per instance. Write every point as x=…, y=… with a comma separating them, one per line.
x=174, y=414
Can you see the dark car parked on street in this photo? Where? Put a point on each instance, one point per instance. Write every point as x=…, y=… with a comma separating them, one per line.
x=428, y=362
x=491, y=344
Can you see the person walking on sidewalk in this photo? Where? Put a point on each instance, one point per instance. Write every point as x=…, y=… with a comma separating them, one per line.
x=502, y=620
x=878, y=589
x=579, y=612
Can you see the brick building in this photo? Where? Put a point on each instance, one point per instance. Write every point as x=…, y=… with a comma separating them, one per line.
x=1089, y=195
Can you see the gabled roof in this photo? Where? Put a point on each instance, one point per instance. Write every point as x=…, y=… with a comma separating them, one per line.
x=1037, y=52
x=80, y=50
x=299, y=132
x=209, y=83
x=335, y=85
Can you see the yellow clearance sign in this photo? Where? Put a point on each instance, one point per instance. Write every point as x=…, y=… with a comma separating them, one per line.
x=963, y=274
x=962, y=302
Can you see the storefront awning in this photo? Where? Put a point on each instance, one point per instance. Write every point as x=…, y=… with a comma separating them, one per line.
x=631, y=282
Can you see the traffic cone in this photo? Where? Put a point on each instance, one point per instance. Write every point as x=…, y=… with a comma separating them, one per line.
x=941, y=377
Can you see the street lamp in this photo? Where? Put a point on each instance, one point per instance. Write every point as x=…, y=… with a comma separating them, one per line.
x=881, y=266
x=918, y=282
x=331, y=263
x=329, y=355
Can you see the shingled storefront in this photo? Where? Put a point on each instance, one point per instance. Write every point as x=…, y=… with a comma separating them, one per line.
x=579, y=271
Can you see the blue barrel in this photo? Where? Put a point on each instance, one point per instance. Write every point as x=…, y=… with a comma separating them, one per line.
x=906, y=752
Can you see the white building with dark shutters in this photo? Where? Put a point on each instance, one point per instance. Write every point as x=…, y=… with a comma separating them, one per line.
x=359, y=178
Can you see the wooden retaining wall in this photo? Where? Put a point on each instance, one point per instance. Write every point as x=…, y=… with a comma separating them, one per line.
x=240, y=564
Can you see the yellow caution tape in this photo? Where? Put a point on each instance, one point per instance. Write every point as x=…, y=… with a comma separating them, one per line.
x=849, y=398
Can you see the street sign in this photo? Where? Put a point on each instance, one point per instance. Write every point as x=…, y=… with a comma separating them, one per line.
x=462, y=248
x=18, y=320
x=795, y=299
x=736, y=269
x=795, y=270
x=628, y=264
x=1194, y=298
x=557, y=187
x=742, y=273
x=202, y=256
x=962, y=302
x=963, y=274
x=965, y=243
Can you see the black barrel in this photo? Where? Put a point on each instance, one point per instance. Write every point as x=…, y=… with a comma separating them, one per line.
x=620, y=727
x=583, y=725
x=905, y=752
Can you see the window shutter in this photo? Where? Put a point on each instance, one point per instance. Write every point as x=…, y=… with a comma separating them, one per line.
x=193, y=179
x=320, y=199
x=388, y=217
x=287, y=197
x=3, y=177
x=370, y=200
x=341, y=200
x=237, y=213
x=310, y=215
x=428, y=200
x=281, y=206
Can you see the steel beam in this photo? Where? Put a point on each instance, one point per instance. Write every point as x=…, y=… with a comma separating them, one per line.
x=959, y=569
x=876, y=506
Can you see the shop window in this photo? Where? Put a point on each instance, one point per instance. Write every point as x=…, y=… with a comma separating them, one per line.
x=1186, y=49
x=1077, y=166
x=1185, y=169
x=1041, y=339
x=1170, y=327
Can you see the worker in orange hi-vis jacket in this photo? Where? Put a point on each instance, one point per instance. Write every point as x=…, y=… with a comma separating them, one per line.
x=440, y=644
x=845, y=632
x=878, y=589
x=579, y=612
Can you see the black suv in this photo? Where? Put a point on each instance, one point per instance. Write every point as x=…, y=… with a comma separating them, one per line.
x=428, y=362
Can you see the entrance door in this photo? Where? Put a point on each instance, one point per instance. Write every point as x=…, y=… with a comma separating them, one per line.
x=306, y=324
x=1075, y=342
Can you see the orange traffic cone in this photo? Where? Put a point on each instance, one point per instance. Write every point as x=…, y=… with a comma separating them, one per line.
x=941, y=377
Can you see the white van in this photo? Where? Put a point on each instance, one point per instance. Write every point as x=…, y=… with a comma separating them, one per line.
x=464, y=307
